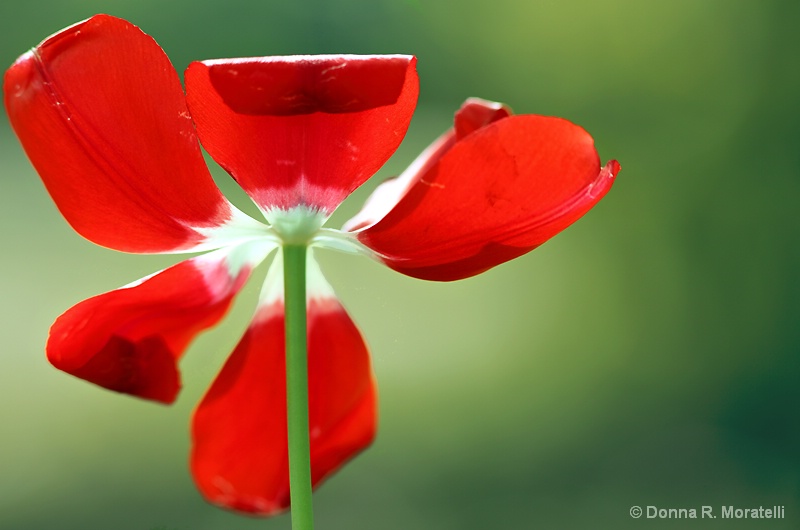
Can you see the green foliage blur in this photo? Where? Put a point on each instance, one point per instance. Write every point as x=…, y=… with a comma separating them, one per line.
x=649, y=355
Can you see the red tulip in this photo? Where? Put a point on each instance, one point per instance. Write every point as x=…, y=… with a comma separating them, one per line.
x=103, y=118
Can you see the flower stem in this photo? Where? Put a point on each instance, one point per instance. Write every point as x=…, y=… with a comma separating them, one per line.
x=294, y=285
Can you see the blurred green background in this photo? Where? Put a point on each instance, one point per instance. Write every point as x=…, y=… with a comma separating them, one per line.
x=647, y=356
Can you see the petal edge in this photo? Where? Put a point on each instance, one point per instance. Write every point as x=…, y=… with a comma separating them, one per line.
x=102, y=116
x=129, y=340
x=497, y=193
x=319, y=126
x=239, y=454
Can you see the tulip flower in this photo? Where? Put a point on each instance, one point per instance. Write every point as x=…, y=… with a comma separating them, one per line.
x=102, y=115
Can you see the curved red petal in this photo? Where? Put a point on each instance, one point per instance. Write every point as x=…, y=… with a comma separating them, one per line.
x=240, y=457
x=389, y=192
x=502, y=190
x=101, y=114
x=473, y=115
x=129, y=340
x=477, y=113
x=302, y=130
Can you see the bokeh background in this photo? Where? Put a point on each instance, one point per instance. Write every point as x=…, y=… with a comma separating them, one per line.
x=649, y=355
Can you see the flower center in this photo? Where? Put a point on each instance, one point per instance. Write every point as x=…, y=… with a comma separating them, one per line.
x=296, y=226
x=302, y=225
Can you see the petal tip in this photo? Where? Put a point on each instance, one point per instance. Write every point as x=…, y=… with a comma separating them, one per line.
x=145, y=369
x=605, y=179
x=612, y=168
x=222, y=493
x=477, y=113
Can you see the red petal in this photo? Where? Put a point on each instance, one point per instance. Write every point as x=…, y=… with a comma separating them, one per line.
x=129, y=340
x=240, y=457
x=477, y=113
x=102, y=116
x=494, y=195
x=473, y=115
x=304, y=130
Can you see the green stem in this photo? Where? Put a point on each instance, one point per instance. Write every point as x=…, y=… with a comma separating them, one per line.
x=294, y=285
